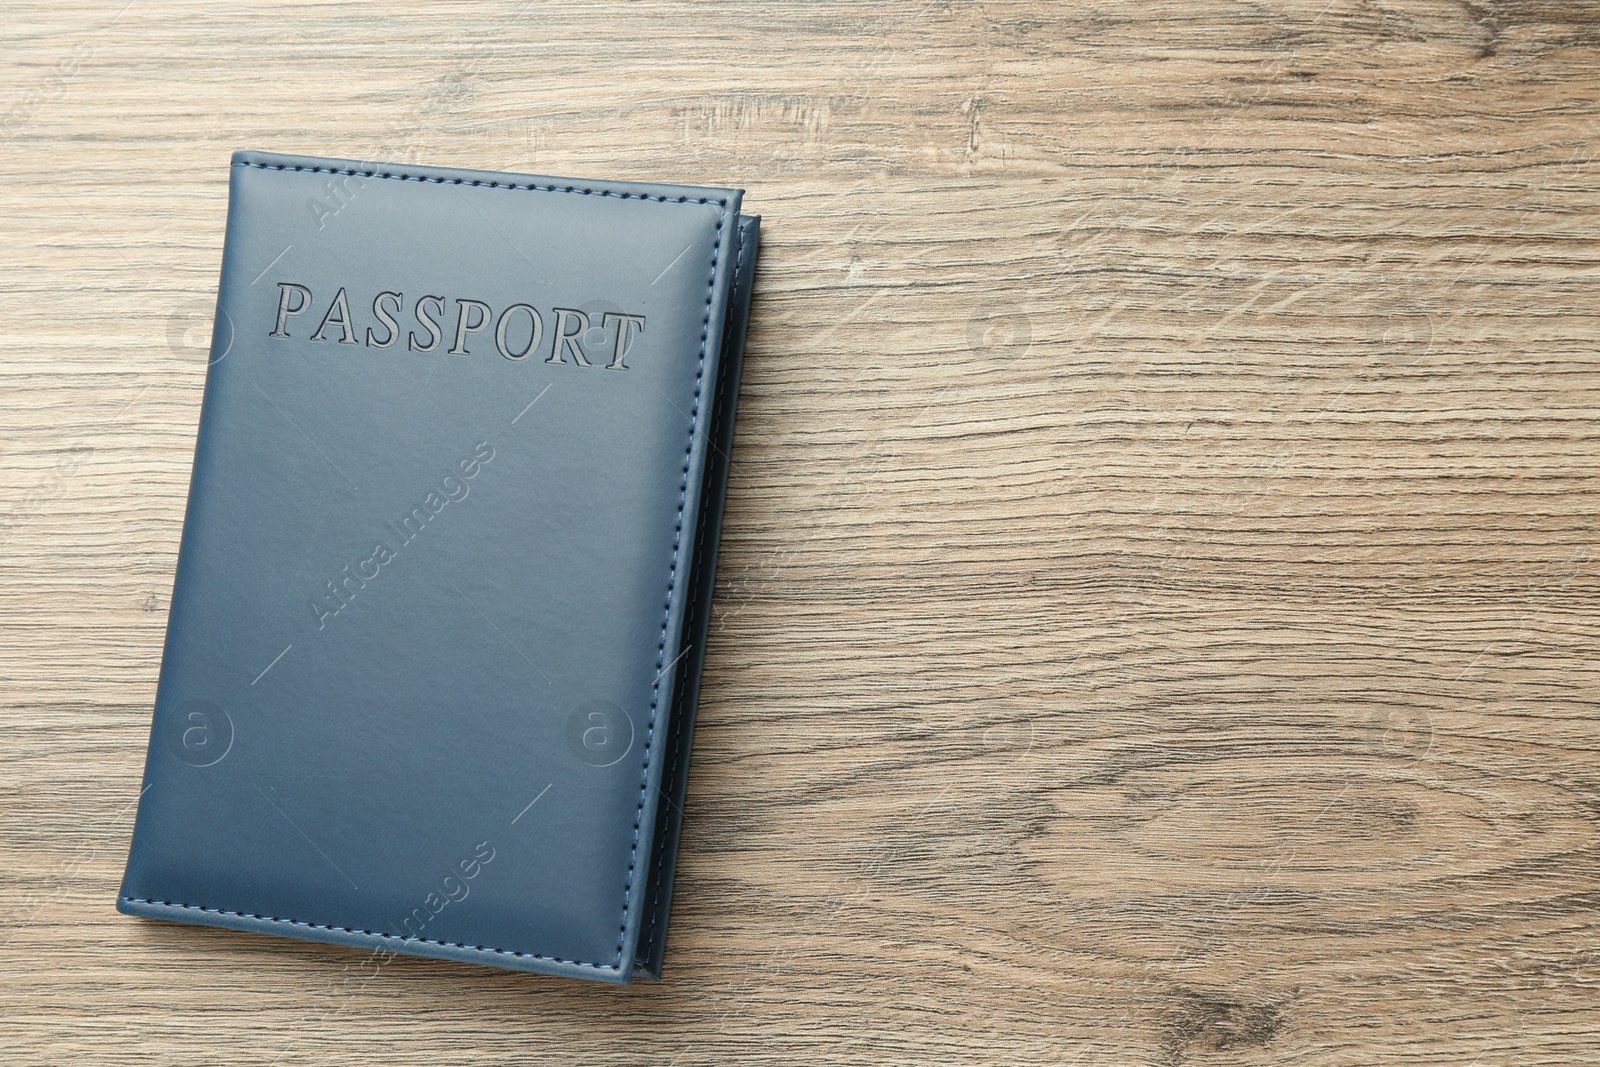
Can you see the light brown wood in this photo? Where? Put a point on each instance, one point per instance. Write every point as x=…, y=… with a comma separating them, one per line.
x=1157, y=617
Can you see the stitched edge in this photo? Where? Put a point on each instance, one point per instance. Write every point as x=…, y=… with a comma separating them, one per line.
x=585, y=190
x=369, y=933
x=678, y=729
x=672, y=580
x=672, y=570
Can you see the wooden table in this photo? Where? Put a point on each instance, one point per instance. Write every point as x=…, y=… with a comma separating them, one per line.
x=1157, y=618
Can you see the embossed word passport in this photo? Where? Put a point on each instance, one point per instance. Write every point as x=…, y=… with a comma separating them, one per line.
x=437, y=628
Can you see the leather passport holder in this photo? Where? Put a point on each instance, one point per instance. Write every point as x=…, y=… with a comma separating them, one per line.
x=440, y=609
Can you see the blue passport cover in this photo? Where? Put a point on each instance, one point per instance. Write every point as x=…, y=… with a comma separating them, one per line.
x=440, y=608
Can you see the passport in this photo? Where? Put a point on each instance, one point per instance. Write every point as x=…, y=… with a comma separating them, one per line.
x=441, y=601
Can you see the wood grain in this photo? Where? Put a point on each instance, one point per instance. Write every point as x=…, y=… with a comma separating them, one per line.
x=1157, y=619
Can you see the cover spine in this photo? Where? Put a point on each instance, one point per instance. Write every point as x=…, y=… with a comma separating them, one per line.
x=674, y=780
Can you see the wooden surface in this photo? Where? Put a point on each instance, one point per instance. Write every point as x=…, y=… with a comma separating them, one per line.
x=1157, y=617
